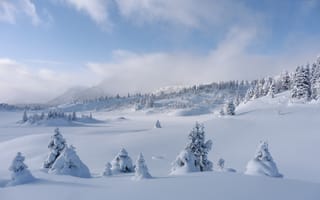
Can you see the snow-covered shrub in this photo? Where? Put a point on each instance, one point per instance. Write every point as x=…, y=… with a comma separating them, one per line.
x=158, y=125
x=195, y=156
x=141, y=169
x=122, y=162
x=107, y=170
x=69, y=163
x=56, y=146
x=221, y=167
x=19, y=171
x=262, y=163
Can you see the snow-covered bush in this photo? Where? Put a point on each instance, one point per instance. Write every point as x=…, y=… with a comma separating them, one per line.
x=158, y=125
x=69, y=163
x=107, y=170
x=195, y=156
x=262, y=163
x=56, y=146
x=122, y=162
x=141, y=169
x=222, y=168
x=19, y=171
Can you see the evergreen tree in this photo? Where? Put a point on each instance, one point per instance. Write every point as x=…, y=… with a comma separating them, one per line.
x=229, y=108
x=158, y=125
x=141, y=169
x=285, y=81
x=184, y=163
x=69, y=163
x=24, y=117
x=19, y=171
x=123, y=161
x=272, y=89
x=56, y=146
x=107, y=170
x=301, y=84
x=262, y=163
x=200, y=148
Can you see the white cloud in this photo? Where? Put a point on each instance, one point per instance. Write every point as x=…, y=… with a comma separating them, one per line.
x=189, y=13
x=230, y=60
x=9, y=11
x=96, y=9
x=24, y=84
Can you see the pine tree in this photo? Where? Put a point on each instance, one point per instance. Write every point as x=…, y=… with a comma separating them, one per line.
x=229, y=108
x=158, y=125
x=19, y=171
x=301, y=84
x=123, y=161
x=56, y=146
x=69, y=163
x=262, y=163
x=184, y=163
x=272, y=89
x=200, y=148
x=107, y=170
x=141, y=169
x=285, y=81
x=24, y=117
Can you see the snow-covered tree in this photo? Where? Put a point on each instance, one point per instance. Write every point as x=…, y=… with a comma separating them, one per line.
x=199, y=148
x=301, y=89
x=272, y=89
x=284, y=82
x=123, y=162
x=262, y=163
x=184, y=163
x=25, y=117
x=158, y=125
x=19, y=171
x=221, y=112
x=141, y=169
x=69, y=163
x=107, y=170
x=229, y=108
x=56, y=146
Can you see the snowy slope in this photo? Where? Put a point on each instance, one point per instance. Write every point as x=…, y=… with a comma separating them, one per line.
x=290, y=129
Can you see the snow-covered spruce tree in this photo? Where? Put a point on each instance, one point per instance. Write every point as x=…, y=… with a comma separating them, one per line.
x=315, y=80
x=56, y=146
x=123, y=162
x=301, y=89
x=19, y=171
x=284, y=82
x=195, y=155
x=262, y=163
x=249, y=95
x=272, y=89
x=229, y=108
x=69, y=163
x=184, y=163
x=141, y=169
x=157, y=125
x=24, y=117
x=107, y=170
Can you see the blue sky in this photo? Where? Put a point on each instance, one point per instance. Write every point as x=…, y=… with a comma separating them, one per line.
x=126, y=43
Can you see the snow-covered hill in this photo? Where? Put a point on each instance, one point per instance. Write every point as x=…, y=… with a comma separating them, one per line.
x=290, y=129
